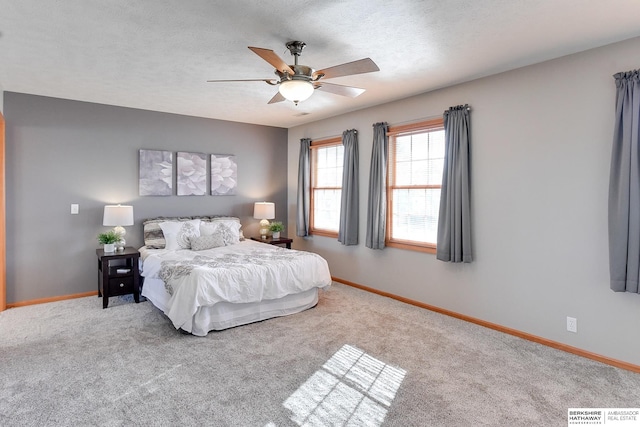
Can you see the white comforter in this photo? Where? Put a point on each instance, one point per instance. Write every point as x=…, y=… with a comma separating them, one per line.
x=242, y=273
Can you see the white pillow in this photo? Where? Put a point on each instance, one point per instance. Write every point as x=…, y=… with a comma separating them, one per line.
x=209, y=241
x=230, y=230
x=178, y=233
x=208, y=228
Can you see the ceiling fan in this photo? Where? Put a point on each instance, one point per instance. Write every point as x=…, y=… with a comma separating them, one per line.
x=297, y=82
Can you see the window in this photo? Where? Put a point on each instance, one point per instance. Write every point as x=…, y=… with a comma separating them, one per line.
x=416, y=161
x=327, y=157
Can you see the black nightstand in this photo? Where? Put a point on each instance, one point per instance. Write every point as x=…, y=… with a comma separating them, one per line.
x=279, y=241
x=118, y=274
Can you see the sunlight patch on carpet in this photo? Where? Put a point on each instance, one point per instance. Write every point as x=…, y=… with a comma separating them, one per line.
x=351, y=388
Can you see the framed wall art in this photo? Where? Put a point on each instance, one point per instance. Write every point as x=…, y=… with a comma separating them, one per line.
x=224, y=175
x=156, y=173
x=191, y=175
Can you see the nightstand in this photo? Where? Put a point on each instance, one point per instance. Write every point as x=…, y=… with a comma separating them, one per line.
x=279, y=241
x=118, y=274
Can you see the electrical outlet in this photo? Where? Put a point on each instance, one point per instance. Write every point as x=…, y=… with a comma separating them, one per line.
x=572, y=324
x=75, y=208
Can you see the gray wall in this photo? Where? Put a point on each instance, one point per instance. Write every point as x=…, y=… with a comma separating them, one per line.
x=540, y=152
x=60, y=152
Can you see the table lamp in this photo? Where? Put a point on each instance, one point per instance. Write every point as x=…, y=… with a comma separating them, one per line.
x=264, y=211
x=118, y=216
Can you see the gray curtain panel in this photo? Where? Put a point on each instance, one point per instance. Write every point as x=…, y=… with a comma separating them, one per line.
x=304, y=176
x=454, y=221
x=377, y=205
x=348, y=230
x=624, y=186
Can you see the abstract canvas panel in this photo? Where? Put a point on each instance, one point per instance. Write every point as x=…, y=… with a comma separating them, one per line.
x=224, y=175
x=156, y=173
x=191, y=174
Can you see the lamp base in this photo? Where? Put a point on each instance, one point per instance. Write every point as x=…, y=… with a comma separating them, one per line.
x=121, y=243
x=264, y=228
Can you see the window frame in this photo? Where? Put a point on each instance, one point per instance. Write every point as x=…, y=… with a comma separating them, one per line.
x=393, y=132
x=324, y=143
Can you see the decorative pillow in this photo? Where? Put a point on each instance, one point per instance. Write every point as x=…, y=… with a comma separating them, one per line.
x=229, y=230
x=233, y=232
x=230, y=233
x=208, y=228
x=153, y=236
x=214, y=218
x=209, y=241
x=178, y=233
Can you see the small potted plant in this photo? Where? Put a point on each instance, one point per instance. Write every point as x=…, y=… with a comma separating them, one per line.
x=109, y=240
x=276, y=227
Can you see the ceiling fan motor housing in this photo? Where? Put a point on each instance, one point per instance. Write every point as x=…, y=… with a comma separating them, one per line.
x=295, y=47
x=301, y=72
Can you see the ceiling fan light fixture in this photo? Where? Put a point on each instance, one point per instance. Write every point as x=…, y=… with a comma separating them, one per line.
x=296, y=90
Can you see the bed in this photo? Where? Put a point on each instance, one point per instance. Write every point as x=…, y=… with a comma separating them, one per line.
x=205, y=276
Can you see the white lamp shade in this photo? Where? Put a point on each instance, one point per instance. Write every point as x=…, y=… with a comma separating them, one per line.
x=264, y=210
x=296, y=90
x=117, y=215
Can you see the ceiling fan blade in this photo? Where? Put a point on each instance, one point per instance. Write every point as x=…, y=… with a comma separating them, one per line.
x=361, y=66
x=276, y=98
x=272, y=58
x=270, y=81
x=349, y=91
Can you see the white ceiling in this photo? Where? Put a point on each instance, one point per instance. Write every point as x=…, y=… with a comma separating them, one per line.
x=158, y=54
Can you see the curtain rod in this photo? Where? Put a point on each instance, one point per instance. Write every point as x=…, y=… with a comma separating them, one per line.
x=325, y=137
x=423, y=119
x=330, y=137
x=408, y=122
x=462, y=106
x=395, y=124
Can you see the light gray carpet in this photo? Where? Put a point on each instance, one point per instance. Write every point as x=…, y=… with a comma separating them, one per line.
x=355, y=359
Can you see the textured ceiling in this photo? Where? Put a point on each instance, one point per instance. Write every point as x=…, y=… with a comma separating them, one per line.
x=158, y=54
